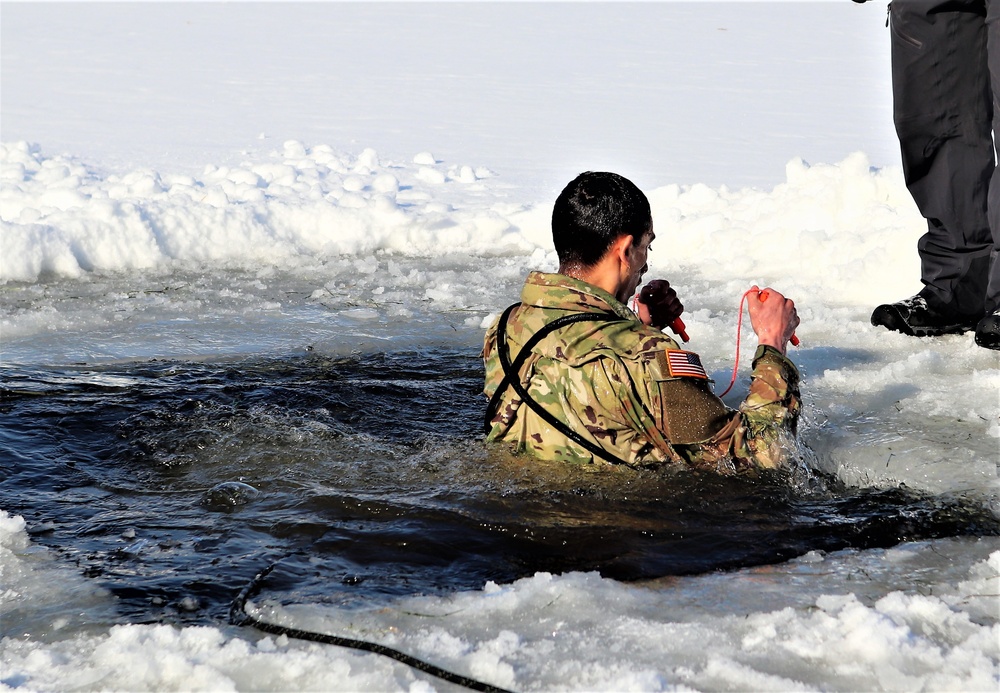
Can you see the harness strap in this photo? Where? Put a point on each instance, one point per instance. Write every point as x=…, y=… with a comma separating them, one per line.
x=512, y=370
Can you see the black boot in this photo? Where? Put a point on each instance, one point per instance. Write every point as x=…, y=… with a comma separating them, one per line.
x=988, y=331
x=916, y=317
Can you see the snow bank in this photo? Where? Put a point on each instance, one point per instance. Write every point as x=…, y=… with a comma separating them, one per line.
x=835, y=225
x=60, y=217
x=847, y=226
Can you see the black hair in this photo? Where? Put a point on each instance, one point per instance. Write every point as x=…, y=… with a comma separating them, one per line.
x=592, y=211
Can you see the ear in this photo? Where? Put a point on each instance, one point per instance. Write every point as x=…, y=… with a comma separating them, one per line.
x=622, y=248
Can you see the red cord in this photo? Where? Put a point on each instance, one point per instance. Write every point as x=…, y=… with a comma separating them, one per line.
x=739, y=338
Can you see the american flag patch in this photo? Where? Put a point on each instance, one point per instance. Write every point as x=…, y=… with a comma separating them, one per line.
x=685, y=364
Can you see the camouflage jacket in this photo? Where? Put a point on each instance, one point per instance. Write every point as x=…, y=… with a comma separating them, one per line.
x=626, y=387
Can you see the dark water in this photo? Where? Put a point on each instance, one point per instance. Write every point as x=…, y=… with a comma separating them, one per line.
x=173, y=483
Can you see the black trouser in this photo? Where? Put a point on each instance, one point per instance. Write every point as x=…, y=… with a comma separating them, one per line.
x=944, y=53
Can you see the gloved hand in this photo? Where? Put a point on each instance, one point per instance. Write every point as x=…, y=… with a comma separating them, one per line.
x=658, y=304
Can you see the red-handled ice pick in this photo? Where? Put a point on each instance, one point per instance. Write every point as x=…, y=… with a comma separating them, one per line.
x=680, y=329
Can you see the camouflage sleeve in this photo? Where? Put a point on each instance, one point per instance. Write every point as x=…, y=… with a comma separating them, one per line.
x=769, y=412
x=754, y=436
x=492, y=364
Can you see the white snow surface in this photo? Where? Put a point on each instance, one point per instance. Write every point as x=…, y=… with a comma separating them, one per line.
x=207, y=180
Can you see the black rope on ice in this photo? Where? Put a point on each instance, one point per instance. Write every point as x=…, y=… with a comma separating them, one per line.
x=238, y=616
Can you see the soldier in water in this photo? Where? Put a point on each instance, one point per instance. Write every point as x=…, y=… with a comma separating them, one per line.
x=573, y=374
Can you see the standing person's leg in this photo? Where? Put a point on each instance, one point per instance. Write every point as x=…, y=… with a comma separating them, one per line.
x=942, y=111
x=988, y=330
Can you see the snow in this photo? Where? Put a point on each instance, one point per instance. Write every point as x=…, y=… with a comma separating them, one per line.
x=216, y=179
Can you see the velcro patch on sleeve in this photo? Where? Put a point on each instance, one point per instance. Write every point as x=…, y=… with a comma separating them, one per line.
x=681, y=364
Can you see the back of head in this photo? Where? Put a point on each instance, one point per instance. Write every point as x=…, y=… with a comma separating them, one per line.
x=592, y=211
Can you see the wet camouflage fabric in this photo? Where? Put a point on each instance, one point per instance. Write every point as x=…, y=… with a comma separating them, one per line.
x=609, y=383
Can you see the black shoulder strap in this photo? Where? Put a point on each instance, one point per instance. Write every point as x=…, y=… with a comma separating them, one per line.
x=512, y=370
